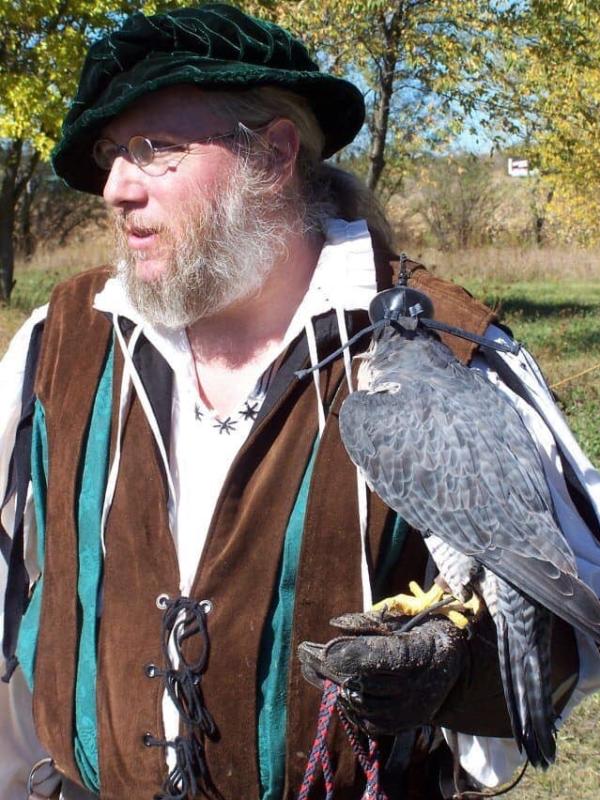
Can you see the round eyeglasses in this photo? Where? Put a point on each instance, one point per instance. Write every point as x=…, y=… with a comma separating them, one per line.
x=152, y=158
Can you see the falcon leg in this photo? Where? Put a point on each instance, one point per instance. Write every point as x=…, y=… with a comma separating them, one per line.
x=436, y=600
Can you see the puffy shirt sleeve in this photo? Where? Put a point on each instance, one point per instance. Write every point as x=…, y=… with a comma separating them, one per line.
x=19, y=747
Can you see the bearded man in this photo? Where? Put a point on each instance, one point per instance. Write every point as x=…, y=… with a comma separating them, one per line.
x=180, y=512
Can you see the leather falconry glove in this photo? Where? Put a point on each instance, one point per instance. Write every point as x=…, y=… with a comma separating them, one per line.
x=393, y=681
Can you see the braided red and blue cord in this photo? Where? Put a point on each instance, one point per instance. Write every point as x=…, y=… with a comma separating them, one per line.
x=319, y=759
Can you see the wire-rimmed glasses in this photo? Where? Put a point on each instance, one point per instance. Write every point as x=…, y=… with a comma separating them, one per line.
x=151, y=157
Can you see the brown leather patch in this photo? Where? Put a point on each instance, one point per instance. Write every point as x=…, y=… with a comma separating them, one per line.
x=454, y=305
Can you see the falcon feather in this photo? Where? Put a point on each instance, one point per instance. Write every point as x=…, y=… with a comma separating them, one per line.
x=442, y=446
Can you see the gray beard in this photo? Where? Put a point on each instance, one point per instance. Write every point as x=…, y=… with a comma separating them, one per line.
x=217, y=254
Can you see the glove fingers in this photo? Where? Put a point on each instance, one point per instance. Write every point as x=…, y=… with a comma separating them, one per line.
x=370, y=658
x=368, y=623
x=371, y=664
x=315, y=665
x=309, y=664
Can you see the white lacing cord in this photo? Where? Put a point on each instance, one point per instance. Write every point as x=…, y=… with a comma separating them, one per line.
x=361, y=484
x=131, y=376
x=314, y=360
x=124, y=396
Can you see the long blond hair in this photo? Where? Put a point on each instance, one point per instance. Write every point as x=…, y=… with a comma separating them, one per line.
x=325, y=190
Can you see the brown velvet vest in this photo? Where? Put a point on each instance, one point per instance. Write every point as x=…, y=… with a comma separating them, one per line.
x=237, y=571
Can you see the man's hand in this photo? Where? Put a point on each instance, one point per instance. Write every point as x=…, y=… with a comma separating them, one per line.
x=393, y=681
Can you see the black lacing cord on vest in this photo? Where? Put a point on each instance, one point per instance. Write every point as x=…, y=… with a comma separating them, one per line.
x=185, y=618
x=189, y=776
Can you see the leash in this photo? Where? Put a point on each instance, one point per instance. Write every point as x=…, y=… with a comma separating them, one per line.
x=319, y=760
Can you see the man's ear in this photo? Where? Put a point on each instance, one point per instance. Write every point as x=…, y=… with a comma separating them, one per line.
x=284, y=144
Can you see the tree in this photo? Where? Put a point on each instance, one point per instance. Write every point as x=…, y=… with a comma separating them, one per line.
x=457, y=197
x=426, y=66
x=558, y=69
x=42, y=46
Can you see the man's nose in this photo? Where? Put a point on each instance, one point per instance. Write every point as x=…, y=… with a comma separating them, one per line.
x=125, y=185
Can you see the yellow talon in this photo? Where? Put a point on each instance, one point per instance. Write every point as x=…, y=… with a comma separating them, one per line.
x=419, y=601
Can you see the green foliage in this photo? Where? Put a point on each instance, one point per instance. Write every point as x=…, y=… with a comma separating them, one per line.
x=43, y=45
x=557, y=70
x=426, y=66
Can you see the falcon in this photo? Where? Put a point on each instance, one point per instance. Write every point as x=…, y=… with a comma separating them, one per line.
x=442, y=446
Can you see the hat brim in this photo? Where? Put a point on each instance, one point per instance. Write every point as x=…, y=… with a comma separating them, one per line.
x=337, y=104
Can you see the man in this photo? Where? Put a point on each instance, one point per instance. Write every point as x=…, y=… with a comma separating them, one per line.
x=190, y=515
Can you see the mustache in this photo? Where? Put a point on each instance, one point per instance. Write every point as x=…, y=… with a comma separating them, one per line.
x=135, y=222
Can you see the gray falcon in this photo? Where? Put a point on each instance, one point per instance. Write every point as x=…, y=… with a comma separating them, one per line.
x=443, y=447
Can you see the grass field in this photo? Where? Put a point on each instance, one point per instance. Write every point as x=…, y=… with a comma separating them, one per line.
x=551, y=300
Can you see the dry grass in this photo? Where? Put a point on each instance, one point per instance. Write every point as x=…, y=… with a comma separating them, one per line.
x=75, y=257
x=509, y=264
x=576, y=773
x=10, y=319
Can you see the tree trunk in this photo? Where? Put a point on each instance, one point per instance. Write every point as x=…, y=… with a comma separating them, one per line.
x=7, y=253
x=540, y=219
x=391, y=28
x=8, y=201
x=26, y=243
x=14, y=181
x=381, y=117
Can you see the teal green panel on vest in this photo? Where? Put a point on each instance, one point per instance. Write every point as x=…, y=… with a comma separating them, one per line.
x=30, y=624
x=391, y=548
x=275, y=651
x=275, y=645
x=94, y=475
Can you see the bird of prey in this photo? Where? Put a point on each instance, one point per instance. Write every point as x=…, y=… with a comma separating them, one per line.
x=442, y=446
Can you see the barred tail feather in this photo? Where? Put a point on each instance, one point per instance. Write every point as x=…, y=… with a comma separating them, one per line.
x=524, y=631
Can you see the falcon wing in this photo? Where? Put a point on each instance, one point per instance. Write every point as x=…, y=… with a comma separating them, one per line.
x=453, y=457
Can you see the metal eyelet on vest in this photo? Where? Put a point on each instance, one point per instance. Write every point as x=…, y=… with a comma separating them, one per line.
x=148, y=739
x=162, y=601
x=33, y=780
x=150, y=670
x=206, y=606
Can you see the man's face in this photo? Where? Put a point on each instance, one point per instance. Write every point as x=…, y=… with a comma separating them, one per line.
x=149, y=204
x=203, y=232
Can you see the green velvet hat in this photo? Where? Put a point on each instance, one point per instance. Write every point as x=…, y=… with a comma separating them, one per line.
x=215, y=46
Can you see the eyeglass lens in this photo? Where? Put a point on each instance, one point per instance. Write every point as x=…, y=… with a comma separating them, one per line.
x=152, y=159
x=139, y=149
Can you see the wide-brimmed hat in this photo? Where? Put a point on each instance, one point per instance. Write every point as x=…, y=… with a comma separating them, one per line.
x=215, y=46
